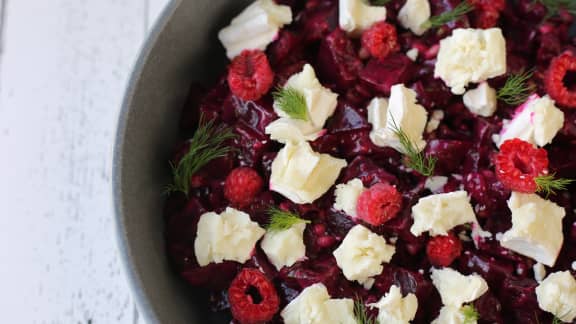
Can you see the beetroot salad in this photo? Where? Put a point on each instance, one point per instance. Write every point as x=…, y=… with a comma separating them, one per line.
x=384, y=161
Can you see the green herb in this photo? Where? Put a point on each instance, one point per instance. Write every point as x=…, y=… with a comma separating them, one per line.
x=379, y=2
x=554, y=6
x=207, y=144
x=281, y=220
x=415, y=158
x=547, y=184
x=292, y=102
x=556, y=320
x=516, y=89
x=361, y=313
x=470, y=314
x=460, y=10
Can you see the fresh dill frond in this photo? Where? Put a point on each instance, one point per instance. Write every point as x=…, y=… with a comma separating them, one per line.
x=556, y=320
x=416, y=159
x=439, y=20
x=379, y=2
x=554, y=6
x=207, y=144
x=516, y=89
x=361, y=313
x=548, y=184
x=470, y=314
x=281, y=220
x=292, y=102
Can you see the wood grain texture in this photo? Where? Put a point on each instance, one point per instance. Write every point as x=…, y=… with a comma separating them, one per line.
x=63, y=68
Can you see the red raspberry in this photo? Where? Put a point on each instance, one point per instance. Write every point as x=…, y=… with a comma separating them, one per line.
x=518, y=163
x=379, y=204
x=252, y=297
x=380, y=40
x=554, y=81
x=487, y=12
x=242, y=186
x=442, y=250
x=249, y=75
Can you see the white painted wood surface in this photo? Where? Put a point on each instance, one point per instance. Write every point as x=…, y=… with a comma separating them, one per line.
x=63, y=68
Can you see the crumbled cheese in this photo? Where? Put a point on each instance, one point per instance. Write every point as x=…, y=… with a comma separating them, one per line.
x=537, y=121
x=393, y=308
x=557, y=294
x=255, y=27
x=435, y=183
x=435, y=119
x=284, y=248
x=536, y=228
x=457, y=289
x=320, y=103
x=481, y=101
x=574, y=265
x=314, y=306
x=539, y=272
x=347, y=196
x=230, y=235
x=412, y=54
x=414, y=14
x=452, y=315
x=471, y=55
x=441, y=212
x=303, y=175
x=401, y=112
x=361, y=254
x=355, y=16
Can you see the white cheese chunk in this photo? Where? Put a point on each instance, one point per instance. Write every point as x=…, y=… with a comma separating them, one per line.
x=355, y=16
x=320, y=103
x=452, y=315
x=255, y=27
x=435, y=120
x=284, y=248
x=230, y=236
x=347, y=196
x=314, y=306
x=414, y=14
x=539, y=272
x=536, y=228
x=303, y=175
x=457, y=289
x=435, y=183
x=401, y=112
x=481, y=101
x=537, y=121
x=470, y=55
x=441, y=212
x=393, y=308
x=412, y=54
x=557, y=294
x=361, y=254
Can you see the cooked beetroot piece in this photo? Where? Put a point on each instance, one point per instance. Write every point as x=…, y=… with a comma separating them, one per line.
x=463, y=144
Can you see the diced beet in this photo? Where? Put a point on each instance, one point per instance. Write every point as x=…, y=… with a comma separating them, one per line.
x=432, y=93
x=204, y=276
x=489, y=309
x=367, y=171
x=255, y=114
x=381, y=75
x=450, y=154
x=490, y=268
x=337, y=61
x=318, y=20
x=338, y=223
x=286, y=49
x=251, y=145
x=348, y=118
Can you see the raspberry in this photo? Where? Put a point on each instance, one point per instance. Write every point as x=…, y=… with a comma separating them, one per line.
x=442, y=250
x=252, y=297
x=379, y=204
x=487, y=12
x=380, y=40
x=554, y=81
x=518, y=163
x=249, y=75
x=242, y=186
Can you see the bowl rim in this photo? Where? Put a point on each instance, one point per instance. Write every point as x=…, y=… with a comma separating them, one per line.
x=135, y=283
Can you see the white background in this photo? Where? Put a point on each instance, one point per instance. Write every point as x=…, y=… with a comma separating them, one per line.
x=63, y=68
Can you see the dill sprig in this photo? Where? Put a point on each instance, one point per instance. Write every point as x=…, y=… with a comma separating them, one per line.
x=361, y=313
x=554, y=6
x=416, y=159
x=281, y=220
x=292, y=102
x=207, y=144
x=548, y=184
x=516, y=89
x=379, y=2
x=439, y=20
x=470, y=314
x=556, y=320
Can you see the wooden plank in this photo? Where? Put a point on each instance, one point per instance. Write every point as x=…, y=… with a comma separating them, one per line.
x=63, y=69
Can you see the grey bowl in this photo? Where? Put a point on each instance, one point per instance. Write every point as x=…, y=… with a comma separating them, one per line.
x=182, y=48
